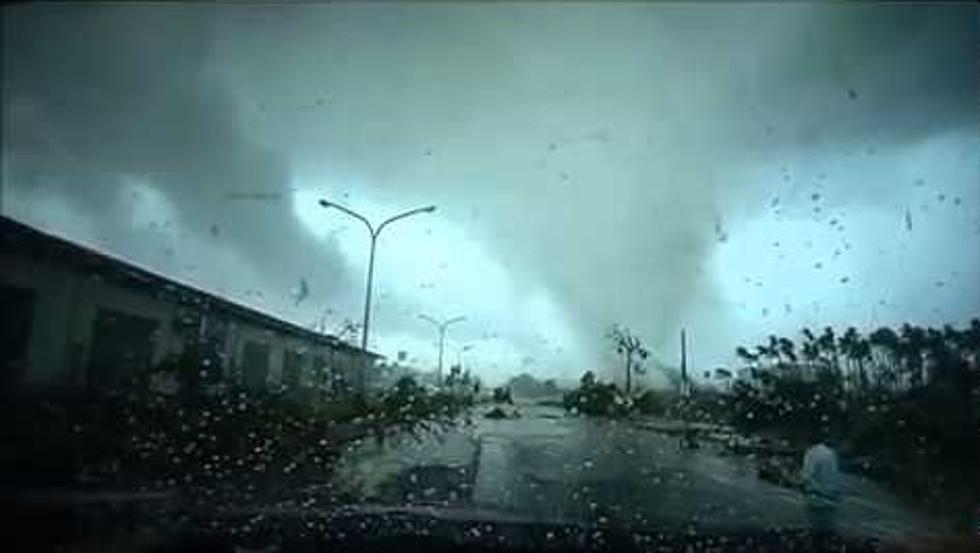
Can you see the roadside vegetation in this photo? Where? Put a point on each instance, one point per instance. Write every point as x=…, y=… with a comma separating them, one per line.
x=597, y=398
x=900, y=405
x=233, y=441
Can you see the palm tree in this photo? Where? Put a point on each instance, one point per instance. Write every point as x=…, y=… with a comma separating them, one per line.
x=744, y=354
x=787, y=349
x=827, y=345
x=887, y=344
x=629, y=346
x=811, y=351
x=971, y=343
x=941, y=347
x=862, y=352
x=725, y=375
x=849, y=345
x=912, y=345
x=772, y=351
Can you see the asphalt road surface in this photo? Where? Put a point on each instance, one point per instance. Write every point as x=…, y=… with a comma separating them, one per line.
x=549, y=467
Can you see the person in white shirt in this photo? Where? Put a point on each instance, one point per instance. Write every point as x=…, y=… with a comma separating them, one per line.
x=820, y=479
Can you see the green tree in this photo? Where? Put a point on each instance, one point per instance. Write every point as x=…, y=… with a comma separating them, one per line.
x=787, y=351
x=810, y=350
x=885, y=346
x=747, y=356
x=827, y=346
x=913, y=343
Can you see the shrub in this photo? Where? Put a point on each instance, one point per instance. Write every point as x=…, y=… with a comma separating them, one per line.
x=501, y=394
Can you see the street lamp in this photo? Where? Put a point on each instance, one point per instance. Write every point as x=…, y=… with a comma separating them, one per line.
x=374, y=241
x=442, y=326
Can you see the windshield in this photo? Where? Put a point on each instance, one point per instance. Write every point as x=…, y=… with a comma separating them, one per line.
x=637, y=268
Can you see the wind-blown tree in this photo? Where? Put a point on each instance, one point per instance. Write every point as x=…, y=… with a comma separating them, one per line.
x=810, y=350
x=827, y=345
x=762, y=352
x=886, y=351
x=910, y=406
x=862, y=353
x=787, y=351
x=855, y=350
x=747, y=356
x=912, y=347
x=631, y=348
x=971, y=341
x=725, y=376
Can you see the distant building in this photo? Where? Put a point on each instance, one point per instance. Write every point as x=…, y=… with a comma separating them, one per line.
x=73, y=316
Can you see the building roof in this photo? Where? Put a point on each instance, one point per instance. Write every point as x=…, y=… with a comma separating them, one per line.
x=45, y=247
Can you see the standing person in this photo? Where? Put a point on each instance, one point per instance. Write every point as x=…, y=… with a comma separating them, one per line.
x=820, y=480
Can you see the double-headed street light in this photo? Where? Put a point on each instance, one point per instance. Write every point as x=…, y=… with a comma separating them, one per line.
x=442, y=326
x=374, y=241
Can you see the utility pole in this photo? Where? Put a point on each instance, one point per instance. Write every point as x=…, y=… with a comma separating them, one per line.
x=685, y=388
x=688, y=440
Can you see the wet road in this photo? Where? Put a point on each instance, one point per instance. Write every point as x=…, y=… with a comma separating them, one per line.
x=548, y=467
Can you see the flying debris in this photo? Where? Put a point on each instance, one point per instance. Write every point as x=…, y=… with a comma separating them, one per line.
x=259, y=196
x=720, y=233
x=908, y=219
x=302, y=292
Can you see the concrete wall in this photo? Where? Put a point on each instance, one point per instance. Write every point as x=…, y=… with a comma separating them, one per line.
x=67, y=301
x=65, y=306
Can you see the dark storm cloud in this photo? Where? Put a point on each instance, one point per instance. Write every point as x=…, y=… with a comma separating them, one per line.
x=97, y=95
x=599, y=145
x=886, y=74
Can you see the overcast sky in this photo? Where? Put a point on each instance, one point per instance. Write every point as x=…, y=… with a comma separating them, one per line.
x=737, y=170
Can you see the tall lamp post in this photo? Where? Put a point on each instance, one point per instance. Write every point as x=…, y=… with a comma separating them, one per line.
x=442, y=326
x=374, y=242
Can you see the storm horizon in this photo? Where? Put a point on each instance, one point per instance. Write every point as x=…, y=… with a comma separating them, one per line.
x=735, y=171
